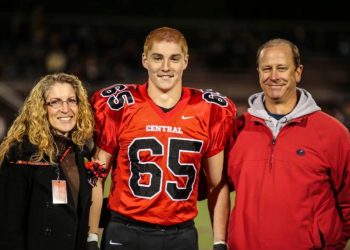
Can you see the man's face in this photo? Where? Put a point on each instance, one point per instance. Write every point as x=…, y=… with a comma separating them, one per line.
x=278, y=76
x=165, y=63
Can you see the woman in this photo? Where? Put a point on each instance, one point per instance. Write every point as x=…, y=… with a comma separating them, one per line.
x=44, y=193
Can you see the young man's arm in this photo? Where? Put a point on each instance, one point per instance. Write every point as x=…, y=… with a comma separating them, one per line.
x=218, y=196
x=104, y=158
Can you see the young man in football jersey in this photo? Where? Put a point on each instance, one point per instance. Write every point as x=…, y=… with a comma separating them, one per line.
x=156, y=137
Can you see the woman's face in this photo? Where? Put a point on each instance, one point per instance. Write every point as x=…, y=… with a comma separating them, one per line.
x=62, y=108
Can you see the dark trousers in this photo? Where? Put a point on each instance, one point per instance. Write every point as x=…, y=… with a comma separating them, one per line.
x=123, y=233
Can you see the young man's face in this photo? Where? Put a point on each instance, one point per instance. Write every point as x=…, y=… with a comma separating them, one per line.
x=165, y=63
x=278, y=76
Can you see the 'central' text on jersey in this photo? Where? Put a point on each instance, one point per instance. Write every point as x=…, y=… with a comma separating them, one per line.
x=168, y=129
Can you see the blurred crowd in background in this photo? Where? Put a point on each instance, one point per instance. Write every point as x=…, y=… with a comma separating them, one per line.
x=103, y=49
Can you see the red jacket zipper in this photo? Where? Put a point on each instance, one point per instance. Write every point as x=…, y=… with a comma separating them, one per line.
x=272, y=152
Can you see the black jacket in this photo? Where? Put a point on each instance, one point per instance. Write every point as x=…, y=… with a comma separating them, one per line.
x=28, y=219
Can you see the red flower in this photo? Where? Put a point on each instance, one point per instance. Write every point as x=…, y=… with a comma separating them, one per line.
x=95, y=171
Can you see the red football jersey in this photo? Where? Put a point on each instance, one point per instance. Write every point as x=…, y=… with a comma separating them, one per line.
x=158, y=154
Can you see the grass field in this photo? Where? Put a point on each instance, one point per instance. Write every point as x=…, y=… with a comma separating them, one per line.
x=204, y=227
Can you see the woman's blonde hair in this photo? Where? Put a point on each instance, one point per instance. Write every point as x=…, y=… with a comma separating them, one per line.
x=32, y=120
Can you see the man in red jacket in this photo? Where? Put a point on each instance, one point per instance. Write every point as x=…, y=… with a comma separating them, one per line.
x=290, y=164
